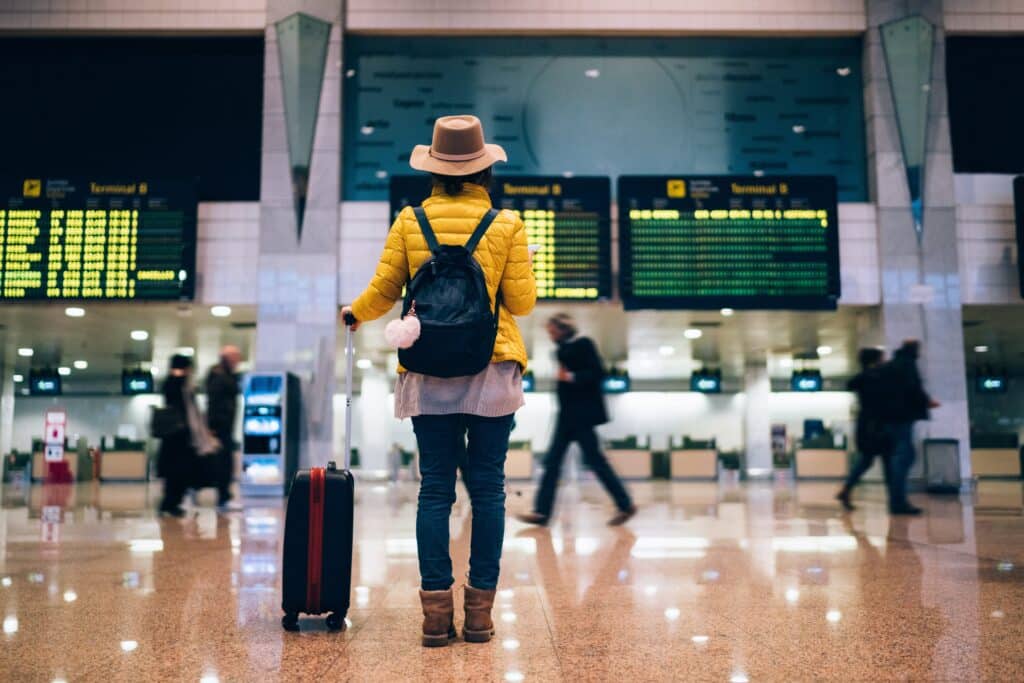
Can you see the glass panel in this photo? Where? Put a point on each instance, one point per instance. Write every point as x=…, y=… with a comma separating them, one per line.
x=908, y=45
x=302, y=49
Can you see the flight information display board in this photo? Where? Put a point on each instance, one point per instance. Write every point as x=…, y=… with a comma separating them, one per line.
x=706, y=242
x=1018, y=204
x=94, y=239
x=568, y=218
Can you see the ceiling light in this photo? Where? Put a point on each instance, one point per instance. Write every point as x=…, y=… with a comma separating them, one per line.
x=981, y=348
x=364, y=363
x=666, y=350
x=759, y=173
x=844, y=71
x=727, y=312
x=824, y=350
x=19, y=378
x=80, y=364
x=220, y=311
x=74, y=311
x=592, y=73
x=693, y=333
x=26, y=352
x=64, y=371
x=140, y=335
x=366, y=130
x=799, y=130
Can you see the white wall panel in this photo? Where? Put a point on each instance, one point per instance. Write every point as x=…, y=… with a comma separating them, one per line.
x=133, y=15
x=227, y=254
x=987, y=236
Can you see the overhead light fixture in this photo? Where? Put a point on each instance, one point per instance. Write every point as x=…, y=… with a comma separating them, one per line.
x=364, y=363
x=980, y=348
x=220, y=311
x=592, y=73
x=666, y=350
x=693, y=333
x=824, y=350
x=19, y=378
x=80, y=364
x=26, y=352
x=844, y=71
x=799, y=129
x=64, y=371
x=74, y=311
x=140, y=335
x=727, y=312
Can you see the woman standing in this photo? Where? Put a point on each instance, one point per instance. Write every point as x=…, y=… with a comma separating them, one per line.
x=459, y=421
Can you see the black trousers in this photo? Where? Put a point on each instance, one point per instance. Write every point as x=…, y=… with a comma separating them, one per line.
x=565, y=434
x=224, y=467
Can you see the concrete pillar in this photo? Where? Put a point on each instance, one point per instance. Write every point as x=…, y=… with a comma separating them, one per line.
x=757, y=424
x=920, y=275
x=297, y=298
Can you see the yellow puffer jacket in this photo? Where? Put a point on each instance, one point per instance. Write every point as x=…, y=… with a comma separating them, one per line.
x=502, y=254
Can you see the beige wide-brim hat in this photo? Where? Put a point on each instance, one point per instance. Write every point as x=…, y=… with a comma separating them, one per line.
x=458, y=148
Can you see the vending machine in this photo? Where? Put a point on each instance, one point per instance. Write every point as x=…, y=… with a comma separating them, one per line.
x=272, y=404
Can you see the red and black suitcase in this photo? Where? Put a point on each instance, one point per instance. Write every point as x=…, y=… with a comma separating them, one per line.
x=317, y=572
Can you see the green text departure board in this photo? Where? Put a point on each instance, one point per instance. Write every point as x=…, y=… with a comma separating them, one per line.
x=90, y=239
x=705, y=242
x=568, y=218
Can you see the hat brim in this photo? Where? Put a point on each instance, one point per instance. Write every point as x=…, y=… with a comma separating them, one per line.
x=421, y=160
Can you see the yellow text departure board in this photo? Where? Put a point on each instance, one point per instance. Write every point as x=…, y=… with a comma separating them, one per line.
x=567, y=219
x=728, y=241
x=88, y=239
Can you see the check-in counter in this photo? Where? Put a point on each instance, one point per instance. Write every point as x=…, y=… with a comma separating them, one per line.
x=694, y=463
x=631, y=463
x=124, y=465
x=995, y=463
x=39, y=468
x=519, y=461
x=822, y=463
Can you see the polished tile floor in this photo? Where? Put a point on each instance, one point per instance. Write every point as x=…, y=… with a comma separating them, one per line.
x=764, y=582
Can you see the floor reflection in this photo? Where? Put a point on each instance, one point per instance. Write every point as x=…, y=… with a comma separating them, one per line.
x=748, y=582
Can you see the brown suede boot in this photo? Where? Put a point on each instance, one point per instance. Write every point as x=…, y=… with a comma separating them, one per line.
x=438, y=617
x=478, y=627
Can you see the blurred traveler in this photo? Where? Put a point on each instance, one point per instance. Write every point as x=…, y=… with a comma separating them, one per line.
x=222, y=390
x=905, y=402
x=581, y=407
x=460, y=421
x=183, y=436
x=870, y=434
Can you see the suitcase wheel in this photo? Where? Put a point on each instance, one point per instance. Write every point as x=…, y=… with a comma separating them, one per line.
x=336, y=621
x=290, y=621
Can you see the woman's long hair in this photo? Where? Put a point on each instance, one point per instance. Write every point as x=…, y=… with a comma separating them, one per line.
x=453, y=184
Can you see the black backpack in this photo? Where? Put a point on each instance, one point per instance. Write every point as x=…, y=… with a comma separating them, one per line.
x=457, y=326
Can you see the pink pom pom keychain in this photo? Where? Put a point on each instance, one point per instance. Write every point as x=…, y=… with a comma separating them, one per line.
x=403, y=333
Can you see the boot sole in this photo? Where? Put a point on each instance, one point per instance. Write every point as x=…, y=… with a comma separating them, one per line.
x=437, y=641
x=477, y=636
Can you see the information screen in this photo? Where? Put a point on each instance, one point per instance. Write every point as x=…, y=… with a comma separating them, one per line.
x=90, y=239
x=568, y=218
x=1018, y=203
x=705, y=242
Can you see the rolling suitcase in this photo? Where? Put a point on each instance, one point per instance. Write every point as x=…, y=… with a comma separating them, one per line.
x=317, y=573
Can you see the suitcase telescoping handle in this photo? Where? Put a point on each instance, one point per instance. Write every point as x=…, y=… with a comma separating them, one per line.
x=350, y=359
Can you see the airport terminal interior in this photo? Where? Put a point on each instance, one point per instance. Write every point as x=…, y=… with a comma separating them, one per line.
x=739, y=203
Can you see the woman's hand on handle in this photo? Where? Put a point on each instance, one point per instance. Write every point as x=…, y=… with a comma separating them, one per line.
x=348, y=319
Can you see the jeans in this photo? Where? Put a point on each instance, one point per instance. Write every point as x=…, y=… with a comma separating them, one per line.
x=863, y=464
x=901, y=459
x=585, y=435
x=444, y=446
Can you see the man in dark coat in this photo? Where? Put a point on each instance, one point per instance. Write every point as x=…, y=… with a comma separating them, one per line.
x=581, y=408
x=904, y=403
x=221, y=411
x=870, y=435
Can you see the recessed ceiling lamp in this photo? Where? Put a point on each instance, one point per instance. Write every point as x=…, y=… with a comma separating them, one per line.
x=140, y=335
x=693, y=333
x=220, y=311
x=74, y=311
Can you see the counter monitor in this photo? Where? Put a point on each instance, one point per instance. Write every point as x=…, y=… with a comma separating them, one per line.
x=706, y=242
x=94, y=239
x=567, y=221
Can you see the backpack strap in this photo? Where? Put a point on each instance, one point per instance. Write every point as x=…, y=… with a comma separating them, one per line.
x=428, y=232
x=478, y=234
